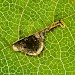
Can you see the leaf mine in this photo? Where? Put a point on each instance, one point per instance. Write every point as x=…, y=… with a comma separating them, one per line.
x=34, y=44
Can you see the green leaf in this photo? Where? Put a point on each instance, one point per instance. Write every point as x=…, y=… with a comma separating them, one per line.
x=20, y=18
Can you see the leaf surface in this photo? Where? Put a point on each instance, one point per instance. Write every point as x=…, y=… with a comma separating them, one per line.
x=20, y=18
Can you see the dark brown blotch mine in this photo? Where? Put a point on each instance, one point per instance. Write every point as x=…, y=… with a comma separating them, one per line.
x=31, y=45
